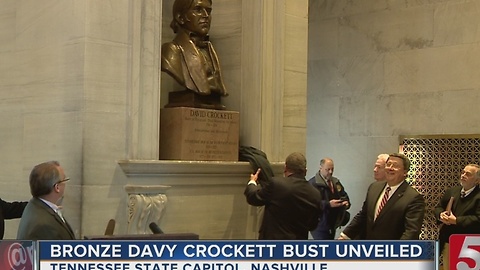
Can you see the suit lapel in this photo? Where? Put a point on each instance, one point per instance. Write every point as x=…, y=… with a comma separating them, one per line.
x=57, y=218
x=372, y=200
x=460, y=211
x=195, y=64
x=393, y=199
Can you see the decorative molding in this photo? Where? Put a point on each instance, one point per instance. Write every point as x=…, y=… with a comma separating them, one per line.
x=145, y=205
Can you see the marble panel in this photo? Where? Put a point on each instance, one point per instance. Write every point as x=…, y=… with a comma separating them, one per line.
x=456, y=114
x=381, y=144
x=346, y=76
x=106, y=62
x=353, y=69
x=352, y=118
x=436, y=69
x=8, y=72
x=397, y=4
x=293, y=140
x=7, y=26
x=296, y=43
x=53, y=136
x=226, y=18
x=323, y=114
x=11, y=227
x=326, y=79
x=11, y=143
x=232, y=81
x=457, y=23
x=212, y=212
x=386, y=31
x=294, y=100
x=322, y=38
x=108, y=20
x=404, y=114
x=103, y=96
x=43, y=23
x=339, y=8
x=104, y=142
x=297, y=8
x=52, y=97
x=104, y=202
x=53, y=64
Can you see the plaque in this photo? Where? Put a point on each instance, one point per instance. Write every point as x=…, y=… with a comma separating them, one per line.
x=199, y=134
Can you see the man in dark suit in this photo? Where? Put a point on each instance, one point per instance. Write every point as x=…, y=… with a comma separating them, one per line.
x=9, y=210
x=392, y=209
x=464, y=215
x=42, y=218
x=292, y=205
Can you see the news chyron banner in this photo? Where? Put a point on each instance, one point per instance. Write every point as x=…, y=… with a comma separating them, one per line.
x=17, y=255
x=236, y=255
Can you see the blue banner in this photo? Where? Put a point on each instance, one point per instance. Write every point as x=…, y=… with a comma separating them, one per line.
x=237, y=250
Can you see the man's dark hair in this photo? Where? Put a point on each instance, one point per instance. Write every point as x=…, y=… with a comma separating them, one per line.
x=406, y=161
x=296, y=163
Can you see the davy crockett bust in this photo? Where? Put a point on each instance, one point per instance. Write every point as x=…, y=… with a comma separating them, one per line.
x=190, y=57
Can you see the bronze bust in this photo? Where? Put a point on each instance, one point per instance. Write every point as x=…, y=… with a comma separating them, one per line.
x=191, y=59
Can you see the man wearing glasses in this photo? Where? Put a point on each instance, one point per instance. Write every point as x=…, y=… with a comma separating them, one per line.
x=42, y=219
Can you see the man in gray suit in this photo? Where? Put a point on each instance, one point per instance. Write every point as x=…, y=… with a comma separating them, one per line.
x=392, y=210
x=42, y=219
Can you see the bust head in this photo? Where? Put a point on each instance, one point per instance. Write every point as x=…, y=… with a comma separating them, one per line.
x=192, y=16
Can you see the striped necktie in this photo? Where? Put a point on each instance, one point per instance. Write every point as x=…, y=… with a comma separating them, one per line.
x=384, y=201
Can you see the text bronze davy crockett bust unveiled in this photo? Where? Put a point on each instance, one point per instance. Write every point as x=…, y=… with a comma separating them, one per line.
x=191, y=59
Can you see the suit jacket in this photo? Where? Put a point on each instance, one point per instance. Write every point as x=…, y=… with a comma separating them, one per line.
x=401, y=217
x=40, y=222
x=9, y=210
x=183, y=61
x=467, y=211
x=292, y=207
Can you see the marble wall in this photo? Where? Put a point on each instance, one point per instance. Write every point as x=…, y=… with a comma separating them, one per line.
x=80, y=83
x=380, y=69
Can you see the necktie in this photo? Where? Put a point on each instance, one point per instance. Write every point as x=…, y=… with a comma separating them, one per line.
x=462, y=194
x=384, y=201
x=330, y=185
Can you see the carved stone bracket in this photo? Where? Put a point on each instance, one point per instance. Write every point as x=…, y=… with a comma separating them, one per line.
x=145, y=205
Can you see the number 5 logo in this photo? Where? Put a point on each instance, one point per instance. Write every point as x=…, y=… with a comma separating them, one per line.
x=464, y=252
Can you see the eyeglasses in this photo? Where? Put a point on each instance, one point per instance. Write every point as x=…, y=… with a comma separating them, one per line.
x=64, y=180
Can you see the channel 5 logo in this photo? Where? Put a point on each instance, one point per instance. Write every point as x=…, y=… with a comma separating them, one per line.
x=465, y=251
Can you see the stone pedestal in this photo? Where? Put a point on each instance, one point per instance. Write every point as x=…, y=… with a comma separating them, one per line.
x=145, y=205
x=199, y=134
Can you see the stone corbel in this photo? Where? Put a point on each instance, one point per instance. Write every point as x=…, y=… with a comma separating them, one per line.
x=145, y=205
